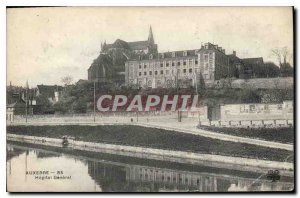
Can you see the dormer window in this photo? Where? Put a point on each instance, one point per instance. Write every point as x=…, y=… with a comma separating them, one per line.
x=162, y=55
x=173, y=54
x=151, y=56
x=185, y=53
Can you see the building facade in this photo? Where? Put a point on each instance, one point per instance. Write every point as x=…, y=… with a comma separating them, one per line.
x=138, y=64
x=178, y=68
x=163, y=69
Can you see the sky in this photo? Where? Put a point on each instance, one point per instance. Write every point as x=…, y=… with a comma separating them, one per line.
x=47, y=44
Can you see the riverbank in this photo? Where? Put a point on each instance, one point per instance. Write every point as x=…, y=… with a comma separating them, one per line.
x=283, y=135
x=187, y=126
x=157, y=154
x=137, y=136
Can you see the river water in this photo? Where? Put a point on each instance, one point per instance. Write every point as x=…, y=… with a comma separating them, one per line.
x=35, y=168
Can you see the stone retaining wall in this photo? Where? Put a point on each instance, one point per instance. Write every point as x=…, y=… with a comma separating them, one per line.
x=151, y=153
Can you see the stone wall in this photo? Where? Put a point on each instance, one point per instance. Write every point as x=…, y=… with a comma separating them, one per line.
x=258, y=111
x=151, y=153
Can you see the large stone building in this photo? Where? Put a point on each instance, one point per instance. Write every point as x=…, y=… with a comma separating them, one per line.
x=162, y=69
x=179, y=68
x=109, y=66
x=138, y=64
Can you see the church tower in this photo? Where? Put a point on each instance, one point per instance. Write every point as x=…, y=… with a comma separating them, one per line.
x=152, y=47
x=150, y=37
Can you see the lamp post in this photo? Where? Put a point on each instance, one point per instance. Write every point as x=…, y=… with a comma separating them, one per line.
x=26, y=101
x=94, y=101
x=179, y=114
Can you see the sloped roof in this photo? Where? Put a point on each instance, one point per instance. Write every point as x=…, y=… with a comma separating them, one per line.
x=81, y=81
x=164, y=55
x=120, y=44
x=253, y=61
x=48, y=90
x=234, y=59
x=138, y=45
x=19, y=103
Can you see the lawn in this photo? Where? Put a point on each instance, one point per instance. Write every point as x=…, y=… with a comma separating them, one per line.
x=284, y=135
x=154, y=138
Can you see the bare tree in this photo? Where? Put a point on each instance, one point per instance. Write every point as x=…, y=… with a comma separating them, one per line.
x=285, y=53
x=281, y=54
x=276, y=52
x=67, y=80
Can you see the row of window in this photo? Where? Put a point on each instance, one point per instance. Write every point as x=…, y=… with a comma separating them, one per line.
x=166, y=72
x=174, y=54
x=168, y=64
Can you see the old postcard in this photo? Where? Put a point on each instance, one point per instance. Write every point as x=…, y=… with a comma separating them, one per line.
x=150, y=99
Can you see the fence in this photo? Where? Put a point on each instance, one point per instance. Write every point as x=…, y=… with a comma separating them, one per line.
x=252, y=123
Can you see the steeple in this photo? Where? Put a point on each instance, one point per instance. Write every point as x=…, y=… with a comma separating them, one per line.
x=150, y=37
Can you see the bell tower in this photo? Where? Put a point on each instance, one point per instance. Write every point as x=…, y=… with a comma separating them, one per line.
x=152, y=47
x=150, y=37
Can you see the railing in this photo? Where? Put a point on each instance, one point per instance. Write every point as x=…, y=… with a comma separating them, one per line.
x=253, y=123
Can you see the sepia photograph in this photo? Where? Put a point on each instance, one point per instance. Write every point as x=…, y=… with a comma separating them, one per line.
x=150, y=99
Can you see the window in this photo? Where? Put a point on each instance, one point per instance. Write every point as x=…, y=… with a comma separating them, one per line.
x=206, y=66
x=167, y=71
x=185, y=53
x=161, y=64
x=150, y=73
x=184, y=62
x=145, y=73
x=140, y=66
x=140, y=73
x=178, y=63
x=206, y=76
x=173, y=64
x=173, y=54
x=150, y=56
x=184, y=71
x=190, y=70
x=155, y=72
x=145, y=66
x=196, y=62
x=161, y=72
x=167, y=64
x=205, y=57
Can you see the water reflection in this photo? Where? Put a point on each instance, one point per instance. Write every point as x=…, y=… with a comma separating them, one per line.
x=96, y=175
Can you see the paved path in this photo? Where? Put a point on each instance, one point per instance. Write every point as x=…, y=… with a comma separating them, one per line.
x=191, y=129
x=173, y=125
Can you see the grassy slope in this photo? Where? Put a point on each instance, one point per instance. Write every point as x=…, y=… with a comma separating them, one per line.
x=155, y=138
x=284, y=135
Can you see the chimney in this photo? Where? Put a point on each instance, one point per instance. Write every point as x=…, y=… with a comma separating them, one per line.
x=234, y=52
x=223, y=50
